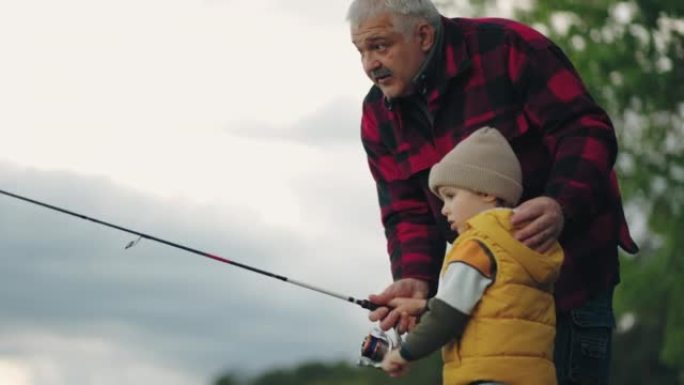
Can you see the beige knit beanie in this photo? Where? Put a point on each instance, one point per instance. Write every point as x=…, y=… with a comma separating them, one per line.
x=483, y=162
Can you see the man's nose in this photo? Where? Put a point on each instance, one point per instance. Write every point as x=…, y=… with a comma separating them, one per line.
x=370, y=63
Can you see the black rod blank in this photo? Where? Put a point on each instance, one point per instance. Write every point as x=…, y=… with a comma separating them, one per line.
x=364, y=303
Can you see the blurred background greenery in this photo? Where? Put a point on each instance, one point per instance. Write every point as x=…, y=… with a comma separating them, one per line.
x=631, y=56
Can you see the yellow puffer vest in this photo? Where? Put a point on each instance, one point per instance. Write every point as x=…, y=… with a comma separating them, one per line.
x=509, y=338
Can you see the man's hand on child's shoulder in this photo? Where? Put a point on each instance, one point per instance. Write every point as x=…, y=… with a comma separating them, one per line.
x=538, y=222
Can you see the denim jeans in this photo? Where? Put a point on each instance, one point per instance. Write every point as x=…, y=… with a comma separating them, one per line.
x=583, y=342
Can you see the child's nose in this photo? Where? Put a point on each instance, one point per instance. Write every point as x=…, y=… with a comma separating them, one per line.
x=444, y=209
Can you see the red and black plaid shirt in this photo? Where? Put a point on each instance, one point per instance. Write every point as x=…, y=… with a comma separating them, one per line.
x=502, y=74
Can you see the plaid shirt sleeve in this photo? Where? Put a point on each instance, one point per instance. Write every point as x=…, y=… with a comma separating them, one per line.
x=576, y=130
x=414, y=244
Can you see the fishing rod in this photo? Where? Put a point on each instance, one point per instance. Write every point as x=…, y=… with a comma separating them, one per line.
x=364, y=303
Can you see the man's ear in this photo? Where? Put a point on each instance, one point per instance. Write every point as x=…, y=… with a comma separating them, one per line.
x=426, y=35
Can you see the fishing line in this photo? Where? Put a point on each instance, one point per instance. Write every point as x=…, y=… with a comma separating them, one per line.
x=364, y=303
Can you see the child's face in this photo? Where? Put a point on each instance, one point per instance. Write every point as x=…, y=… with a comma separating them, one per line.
x=461, y=205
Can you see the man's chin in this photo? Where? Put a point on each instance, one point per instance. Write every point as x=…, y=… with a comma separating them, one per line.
x=392, y=92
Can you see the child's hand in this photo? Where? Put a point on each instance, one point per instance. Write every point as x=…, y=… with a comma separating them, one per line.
x=393, y=364
x=408, y=310
x=410, y=306
x=405, y=287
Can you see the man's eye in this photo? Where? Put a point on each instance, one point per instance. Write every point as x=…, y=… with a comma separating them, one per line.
x=379, y=47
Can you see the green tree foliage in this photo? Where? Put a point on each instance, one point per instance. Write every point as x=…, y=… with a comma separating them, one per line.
x=636, y=357
x=228, y=379
x=425, y=372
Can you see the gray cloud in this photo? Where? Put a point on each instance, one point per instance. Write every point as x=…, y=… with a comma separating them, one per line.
x=335, y=11
x=337, y=123
x=154, y=307
x=315, y=11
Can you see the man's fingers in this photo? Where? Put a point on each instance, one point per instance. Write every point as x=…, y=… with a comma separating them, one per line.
x=531, y=229
x=523, y=235
x=380, y=299
x=533, y=242
x=525, y=213
x=534, y=237
x=541, y=240
x=546, y=246
x=541, y=212
x=539, y=231
x=378, y=314
x=383, y=298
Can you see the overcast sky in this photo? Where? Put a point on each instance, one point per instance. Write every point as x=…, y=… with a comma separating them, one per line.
x=227, y=125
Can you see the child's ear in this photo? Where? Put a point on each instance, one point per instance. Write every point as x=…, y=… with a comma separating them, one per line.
x=489, y=198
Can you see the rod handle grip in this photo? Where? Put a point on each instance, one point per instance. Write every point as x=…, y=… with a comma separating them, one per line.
x=366, y=304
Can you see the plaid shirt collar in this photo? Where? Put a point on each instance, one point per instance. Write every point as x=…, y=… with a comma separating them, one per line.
x=435, y=70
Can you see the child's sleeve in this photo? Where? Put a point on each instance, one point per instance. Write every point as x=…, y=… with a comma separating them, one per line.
x=461, y=287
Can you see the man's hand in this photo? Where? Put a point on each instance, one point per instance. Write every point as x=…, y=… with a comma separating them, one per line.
x=393, y=364
x=538, y=222
x=407, y=287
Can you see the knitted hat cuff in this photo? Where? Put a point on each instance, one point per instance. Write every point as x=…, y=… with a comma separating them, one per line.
x=475, y=178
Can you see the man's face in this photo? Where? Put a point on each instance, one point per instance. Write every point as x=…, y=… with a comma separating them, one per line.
x=391, y=59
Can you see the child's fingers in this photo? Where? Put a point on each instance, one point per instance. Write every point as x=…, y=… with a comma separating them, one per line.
x=412, y=323
x=398, y=370
x=403, y=323
x=391, y=367
x=396, y=302
x=412, y=306
x=390, y=320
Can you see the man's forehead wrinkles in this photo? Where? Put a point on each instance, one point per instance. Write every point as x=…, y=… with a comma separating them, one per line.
x=376, y=37
x=369, y=37
x=361, y=40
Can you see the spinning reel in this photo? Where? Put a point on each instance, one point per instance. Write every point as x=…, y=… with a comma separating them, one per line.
x=376, y=344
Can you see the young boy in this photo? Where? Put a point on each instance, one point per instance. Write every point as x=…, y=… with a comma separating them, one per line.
x=493, y=314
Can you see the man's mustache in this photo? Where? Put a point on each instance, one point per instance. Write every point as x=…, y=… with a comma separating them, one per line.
x=380, y=73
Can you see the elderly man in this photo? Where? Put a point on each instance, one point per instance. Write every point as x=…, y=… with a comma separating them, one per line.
x=435, y=81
